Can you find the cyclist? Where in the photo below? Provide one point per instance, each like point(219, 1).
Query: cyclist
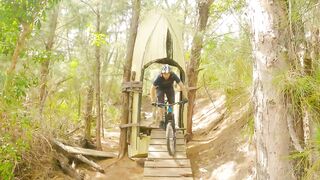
point(163, 85)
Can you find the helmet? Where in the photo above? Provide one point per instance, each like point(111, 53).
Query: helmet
point(166, 69)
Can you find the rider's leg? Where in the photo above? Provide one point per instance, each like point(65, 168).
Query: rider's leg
point(170, 95)
point(160, 111)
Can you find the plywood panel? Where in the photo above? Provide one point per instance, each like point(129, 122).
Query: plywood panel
point(168, 178)
point(160, 163)
point(168, 172)
point(164, 141)
point(163, 148)
point(165, 155)
point(163, 135)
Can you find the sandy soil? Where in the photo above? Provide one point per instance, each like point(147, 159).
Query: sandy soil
point(125, 169)
point(219, 149)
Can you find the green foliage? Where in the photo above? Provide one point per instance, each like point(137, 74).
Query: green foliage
point(40, 56)
point(15, 123)
point(221, 6)
point(227, 67)
point(99, 39)
point(113, 114)
point(303, 158)
point(303, 91)
point(14, 13)
point(18, 85)
point(248, 130)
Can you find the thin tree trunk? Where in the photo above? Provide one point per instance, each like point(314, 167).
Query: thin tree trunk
point(88, 114)
point(270, 112)
point(26, 30)
point(193, 68)
point(98, 98)
point(45, 64)
point(123, 151)
point(102, 120)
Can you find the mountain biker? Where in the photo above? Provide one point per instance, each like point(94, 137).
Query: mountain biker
point(163, 85)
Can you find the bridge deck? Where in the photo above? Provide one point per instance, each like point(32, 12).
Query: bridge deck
point(160, 165)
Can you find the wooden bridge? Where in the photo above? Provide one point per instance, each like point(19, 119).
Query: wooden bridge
point(160, 165)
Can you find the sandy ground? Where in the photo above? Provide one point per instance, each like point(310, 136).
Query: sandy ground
point(125, 169)
point(219, 149)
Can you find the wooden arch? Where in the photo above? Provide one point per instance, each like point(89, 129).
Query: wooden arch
point(159, 40)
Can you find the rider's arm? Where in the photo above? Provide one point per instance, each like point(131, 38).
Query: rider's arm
point(183, 89)
point(153, 93)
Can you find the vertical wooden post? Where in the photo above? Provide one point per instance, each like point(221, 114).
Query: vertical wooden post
point(123, 151)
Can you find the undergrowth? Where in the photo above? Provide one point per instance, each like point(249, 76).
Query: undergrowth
point(303, 93)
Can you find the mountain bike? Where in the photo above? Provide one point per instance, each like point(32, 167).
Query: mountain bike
point(169, 124)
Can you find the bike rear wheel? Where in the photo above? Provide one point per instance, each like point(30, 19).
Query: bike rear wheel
point(171, 139)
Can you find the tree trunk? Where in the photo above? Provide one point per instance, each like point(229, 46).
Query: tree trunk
point(193, 68)
point(45, 64)
point(271, 129)
point(102, 113)
point(123, 151)
point(88, 115)
point(26, 30)
point(98, 103)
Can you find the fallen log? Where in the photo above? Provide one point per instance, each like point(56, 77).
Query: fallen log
point(90, 163)
point(83, 151)
point(63, 163)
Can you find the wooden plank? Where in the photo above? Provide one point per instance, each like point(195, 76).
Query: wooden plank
point(167, 178)
point(90, 163)
point(165, 155)
point(167, 163)
point(163, 135)
point(163, 148)
point(167, 172)
point(157, 131)
point(164, 141)
point(83, 151)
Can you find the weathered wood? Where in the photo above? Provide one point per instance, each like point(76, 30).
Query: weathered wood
point(168, 178)
point(132, 86)
point(90, 163)
point(128, 125)
point(123, 145)
point(83, 151)
point(160, 165)
point(63, 163)
point(163, 135)
point(167, 172)
point(168, 163)
point(165, 155)
point(164, 141)
point(122, 126)
point(163, 148)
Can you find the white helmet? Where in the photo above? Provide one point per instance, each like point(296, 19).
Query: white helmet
point(166, 69)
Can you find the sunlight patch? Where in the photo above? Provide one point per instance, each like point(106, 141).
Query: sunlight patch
point(225, 171)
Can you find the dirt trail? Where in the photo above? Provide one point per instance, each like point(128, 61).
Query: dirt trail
point(219, 149)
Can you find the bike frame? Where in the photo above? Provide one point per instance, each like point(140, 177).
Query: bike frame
point(168, 111)
point(169, 125)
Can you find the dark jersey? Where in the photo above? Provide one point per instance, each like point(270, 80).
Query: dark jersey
point(161, 83)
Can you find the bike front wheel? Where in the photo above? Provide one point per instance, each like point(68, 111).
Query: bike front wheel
point(171, 139)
